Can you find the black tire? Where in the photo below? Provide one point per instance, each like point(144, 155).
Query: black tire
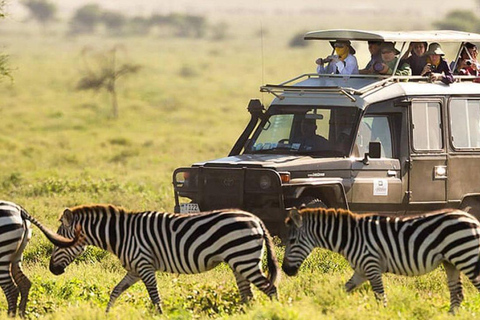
point(471, 206)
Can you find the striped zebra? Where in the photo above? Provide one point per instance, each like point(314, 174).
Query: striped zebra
point(374, 244)
point(15, 232)
point(177, 243)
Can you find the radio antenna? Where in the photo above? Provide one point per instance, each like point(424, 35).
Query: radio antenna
point(263, 63)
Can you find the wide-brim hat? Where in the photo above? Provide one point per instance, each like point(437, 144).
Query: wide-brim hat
point(434, 48)
point(345, 42)
point(389, 46)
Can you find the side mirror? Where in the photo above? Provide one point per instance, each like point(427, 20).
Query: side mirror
point(375, 149)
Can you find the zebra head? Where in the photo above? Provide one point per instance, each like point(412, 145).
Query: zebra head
point(298, 246)
point(62, 257)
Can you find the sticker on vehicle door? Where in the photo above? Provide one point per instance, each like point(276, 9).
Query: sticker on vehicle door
point(380, 187)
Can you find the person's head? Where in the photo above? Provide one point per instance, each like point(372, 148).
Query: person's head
point(342, 47)
point(472, 50)
point(308, 127)
point(434, 53)
point(388, 51)
point(374, 47)
point(418, 48)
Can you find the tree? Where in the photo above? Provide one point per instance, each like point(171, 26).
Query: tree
point(105, 74)
point(460, 20)
point(85, 19)
point(114, 21)
point(43, 11)
point(4, 68)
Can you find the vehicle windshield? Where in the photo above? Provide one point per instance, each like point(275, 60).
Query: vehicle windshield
point(319, 131)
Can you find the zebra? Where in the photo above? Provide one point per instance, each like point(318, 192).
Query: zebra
point(15, 232)
point(374, 244)
point(149, 241)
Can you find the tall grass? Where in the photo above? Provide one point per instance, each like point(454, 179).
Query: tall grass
point(60, 147)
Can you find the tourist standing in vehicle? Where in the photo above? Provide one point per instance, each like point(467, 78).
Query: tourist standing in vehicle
point(415, 57)
point(375, 63)
point(389, 58)
point(437, 67)
point(468, 65)
point(342, 62)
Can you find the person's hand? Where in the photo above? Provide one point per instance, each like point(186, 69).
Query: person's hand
point(320, 61)
point(426, 70)
point(434, 77)
point(333, 58)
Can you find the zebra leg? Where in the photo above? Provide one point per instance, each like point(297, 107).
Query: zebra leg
point(23, 284)
point(244, 287)
point(454, 285)
point(355, 281)
point(148, 277)
point(11, 293)
point(375, 277)
point(253, 274)
point(123, 285)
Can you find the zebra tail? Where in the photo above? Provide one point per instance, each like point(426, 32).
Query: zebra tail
point(54, 238)
point(272, 262)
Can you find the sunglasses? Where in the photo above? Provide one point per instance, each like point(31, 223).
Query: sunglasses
point(339, 45)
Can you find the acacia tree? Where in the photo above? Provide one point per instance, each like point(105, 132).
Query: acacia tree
point(43, 11)
point(104, 73)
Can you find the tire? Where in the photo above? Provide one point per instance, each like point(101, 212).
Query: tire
point(471, 206)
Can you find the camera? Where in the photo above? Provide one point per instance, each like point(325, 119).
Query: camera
point(433, 68)
point(377, 66)
point(468, 62)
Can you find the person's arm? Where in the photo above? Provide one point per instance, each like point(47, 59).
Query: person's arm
point(348, 66)
point(404, 70)
point(447, 77)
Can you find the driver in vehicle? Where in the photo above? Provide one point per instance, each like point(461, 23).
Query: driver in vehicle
point(310, 141)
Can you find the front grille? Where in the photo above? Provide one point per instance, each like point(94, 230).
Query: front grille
point(222, 188)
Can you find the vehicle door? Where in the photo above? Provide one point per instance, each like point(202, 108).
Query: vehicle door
point(428, 158)
point(376, 183)
point(464, 158)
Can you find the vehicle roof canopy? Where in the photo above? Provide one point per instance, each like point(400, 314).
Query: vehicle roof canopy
point(394, 36)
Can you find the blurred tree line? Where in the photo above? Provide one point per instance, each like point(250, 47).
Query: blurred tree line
point(92, 18)
point(4, 69)
point(461, 19)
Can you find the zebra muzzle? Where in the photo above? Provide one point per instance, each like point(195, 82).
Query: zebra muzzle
point(56, 270)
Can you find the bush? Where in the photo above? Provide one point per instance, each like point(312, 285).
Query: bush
point(297, 41)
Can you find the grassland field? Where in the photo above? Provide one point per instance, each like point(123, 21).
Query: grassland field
point(60, 147)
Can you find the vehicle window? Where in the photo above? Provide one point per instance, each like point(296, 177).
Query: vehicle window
point(374, 128)
point(427, 126)
point(464, 123)
point(310, 131)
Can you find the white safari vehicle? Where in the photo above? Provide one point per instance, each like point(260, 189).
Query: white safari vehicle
point(392, 144)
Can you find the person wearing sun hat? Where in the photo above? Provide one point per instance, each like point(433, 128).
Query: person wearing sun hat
point(415, 57)
point(437, 67)
point(389, 59)
point(342, 62)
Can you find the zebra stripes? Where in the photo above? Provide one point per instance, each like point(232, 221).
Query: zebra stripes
point(15, 232)
point(178, 243)
point(375, 244)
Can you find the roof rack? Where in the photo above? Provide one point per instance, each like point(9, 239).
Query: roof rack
point(349, 92)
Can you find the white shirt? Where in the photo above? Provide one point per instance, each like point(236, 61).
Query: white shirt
point(348, 66)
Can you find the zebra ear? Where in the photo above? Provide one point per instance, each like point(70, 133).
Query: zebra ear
point(67, 218)
point(296, 217)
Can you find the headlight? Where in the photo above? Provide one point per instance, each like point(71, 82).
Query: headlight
point(265, 182)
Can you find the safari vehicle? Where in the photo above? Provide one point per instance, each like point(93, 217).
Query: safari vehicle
point(393, 144)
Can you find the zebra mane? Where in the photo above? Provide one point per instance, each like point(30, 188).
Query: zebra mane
point(90, 208)
point(330, 212)
point(347, 213)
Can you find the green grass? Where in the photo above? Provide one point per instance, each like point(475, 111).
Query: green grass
point(60, 148)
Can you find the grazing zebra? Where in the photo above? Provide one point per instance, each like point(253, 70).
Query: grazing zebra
point(374, 244)
point(15, 232)
point(178, 243)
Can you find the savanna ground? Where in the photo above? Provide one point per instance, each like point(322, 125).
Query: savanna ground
point(60, 147)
